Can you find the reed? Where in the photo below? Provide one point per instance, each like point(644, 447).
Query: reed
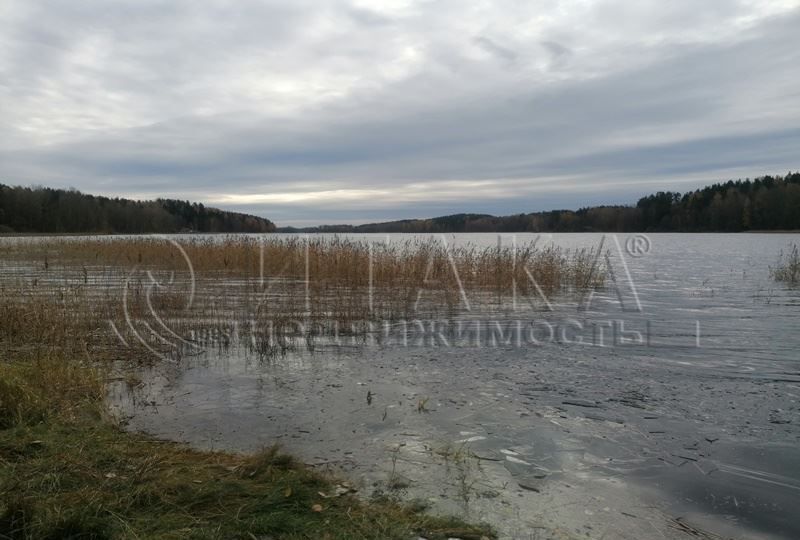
point(327, 261)
point(787, 269)
point(278, 293)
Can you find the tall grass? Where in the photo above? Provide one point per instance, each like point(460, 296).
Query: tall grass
point(276, 291)
point(336, 261)
point(787, 269)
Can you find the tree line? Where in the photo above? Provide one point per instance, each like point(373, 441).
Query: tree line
point(46, 210)
point(765, 203)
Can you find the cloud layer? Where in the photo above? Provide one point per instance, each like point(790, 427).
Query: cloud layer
point(348, 111)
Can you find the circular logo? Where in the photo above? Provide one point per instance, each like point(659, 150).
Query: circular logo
point(637, 245)
point(145, 322)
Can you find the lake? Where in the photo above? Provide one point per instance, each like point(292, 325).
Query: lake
point(661, 406)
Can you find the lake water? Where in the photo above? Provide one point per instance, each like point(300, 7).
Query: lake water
point(665, 405)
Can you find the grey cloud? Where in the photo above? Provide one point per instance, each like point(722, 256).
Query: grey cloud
point(408, 109)
point(367, 16)
point(559, 54)
point(493, 48)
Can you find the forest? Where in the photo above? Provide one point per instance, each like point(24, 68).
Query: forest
point(767, 203)
point(46, 210)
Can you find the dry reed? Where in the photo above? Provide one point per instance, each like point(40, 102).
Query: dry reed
point(271, 292)
point(787, 269)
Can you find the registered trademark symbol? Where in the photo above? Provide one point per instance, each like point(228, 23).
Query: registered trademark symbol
point(637, 245)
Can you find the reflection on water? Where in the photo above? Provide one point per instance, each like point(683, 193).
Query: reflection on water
point(665, 404)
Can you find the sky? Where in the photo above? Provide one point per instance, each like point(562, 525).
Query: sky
point(353, 111)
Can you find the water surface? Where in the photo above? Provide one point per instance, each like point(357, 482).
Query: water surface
point(664, 404)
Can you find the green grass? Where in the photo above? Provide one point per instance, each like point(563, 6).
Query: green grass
point(66, 471)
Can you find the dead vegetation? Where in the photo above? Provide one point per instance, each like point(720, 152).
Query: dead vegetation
point(275, 294)
point(325, 263)
point(787, 269)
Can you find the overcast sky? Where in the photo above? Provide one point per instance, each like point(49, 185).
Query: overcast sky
point(336, 111)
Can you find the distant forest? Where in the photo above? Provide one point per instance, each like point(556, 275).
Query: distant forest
point(45, 210)
point(766, 203)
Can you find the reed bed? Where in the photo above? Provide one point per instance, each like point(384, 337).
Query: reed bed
point(335, 262)
point(271, 294)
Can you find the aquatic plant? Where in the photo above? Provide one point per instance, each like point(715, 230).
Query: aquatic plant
point(276, 294)
point(787, 269)
point(334, 261)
